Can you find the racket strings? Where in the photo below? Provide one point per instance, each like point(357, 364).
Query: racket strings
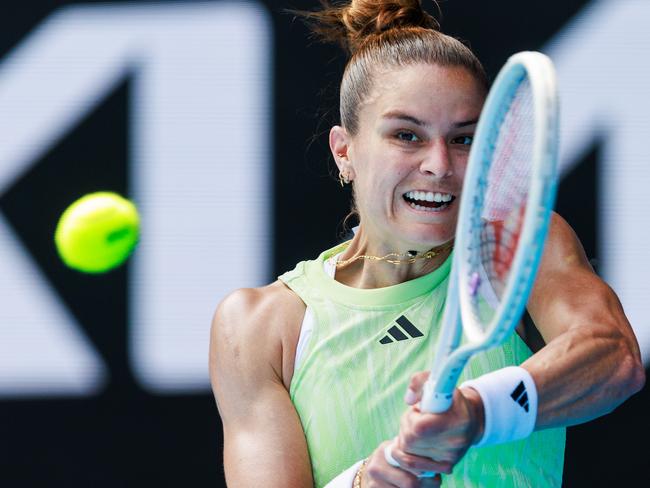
point(502, 209)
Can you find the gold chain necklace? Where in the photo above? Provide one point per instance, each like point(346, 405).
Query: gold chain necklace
point(409, 257)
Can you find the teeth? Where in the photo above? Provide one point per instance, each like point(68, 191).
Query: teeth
point(427, 209)
point(429, 196)
point(442, 197)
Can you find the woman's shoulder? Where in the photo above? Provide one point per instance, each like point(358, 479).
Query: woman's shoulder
point(260, 325)
point(252, 304)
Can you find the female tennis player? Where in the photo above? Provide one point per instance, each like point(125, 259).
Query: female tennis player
point(313, 374)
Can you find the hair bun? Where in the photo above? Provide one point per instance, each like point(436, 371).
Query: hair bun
point(367, 17)
point(351, 24)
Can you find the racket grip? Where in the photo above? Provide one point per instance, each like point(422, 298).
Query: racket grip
point(434, 401)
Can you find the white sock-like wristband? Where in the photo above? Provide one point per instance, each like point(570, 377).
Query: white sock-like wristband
point(346, 478)
point(510, 404)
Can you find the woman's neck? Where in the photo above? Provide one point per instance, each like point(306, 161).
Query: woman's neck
point(361, 264)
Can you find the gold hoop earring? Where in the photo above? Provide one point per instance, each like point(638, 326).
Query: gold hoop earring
point(344, 179)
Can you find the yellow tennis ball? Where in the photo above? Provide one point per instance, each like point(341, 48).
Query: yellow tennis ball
point(98, 232)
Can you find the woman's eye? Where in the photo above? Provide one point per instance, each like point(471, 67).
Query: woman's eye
point(464, 140)
point(407, 136)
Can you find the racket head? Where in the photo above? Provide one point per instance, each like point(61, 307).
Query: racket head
point(508, 194)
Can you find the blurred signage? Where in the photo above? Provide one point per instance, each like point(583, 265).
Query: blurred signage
point(200, 164)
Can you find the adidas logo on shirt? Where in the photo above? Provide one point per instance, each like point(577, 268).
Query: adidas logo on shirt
point(404, 330)
point(520, 396)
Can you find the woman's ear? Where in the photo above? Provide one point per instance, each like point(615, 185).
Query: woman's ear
point(340, 146)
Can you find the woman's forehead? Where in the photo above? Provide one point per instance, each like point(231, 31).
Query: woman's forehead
point(425, 91)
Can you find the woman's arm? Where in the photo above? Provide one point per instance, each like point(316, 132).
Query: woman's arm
point(591, 361)
point(264, 444)
point(252, 350)
point(589, 365)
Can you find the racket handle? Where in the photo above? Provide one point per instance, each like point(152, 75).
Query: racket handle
point(434, 401)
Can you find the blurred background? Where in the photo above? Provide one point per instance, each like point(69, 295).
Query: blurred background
point(213, 117)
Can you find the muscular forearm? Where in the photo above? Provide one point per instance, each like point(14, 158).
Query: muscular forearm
point(583, 374)
point(591, 360)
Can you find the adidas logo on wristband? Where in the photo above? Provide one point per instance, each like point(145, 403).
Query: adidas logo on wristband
point(510, 414)
point(520, 396)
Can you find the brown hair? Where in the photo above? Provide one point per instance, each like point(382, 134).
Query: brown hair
point(388, 33)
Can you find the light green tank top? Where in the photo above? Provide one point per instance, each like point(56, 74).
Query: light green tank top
point(349, 387)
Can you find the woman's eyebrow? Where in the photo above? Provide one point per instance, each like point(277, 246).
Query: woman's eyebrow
point(458, 125)
point(410, 118)
point(404, 116)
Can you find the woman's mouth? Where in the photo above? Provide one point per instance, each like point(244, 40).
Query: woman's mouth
point(428, 201)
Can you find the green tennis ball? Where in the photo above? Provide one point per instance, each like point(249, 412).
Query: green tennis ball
point(97, 233)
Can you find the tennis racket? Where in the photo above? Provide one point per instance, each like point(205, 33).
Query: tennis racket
point(505, 208)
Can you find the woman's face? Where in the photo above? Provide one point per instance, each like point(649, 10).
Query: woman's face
point(409, 156)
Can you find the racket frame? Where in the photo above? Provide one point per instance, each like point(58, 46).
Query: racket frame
point(450, 359)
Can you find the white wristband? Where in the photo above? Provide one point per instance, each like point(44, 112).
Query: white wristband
point(510, 404)
point(346, 478)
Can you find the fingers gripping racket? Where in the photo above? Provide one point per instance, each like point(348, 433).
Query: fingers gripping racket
point(505, 208)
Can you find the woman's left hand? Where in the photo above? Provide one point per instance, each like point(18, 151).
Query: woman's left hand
point(443, 437)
